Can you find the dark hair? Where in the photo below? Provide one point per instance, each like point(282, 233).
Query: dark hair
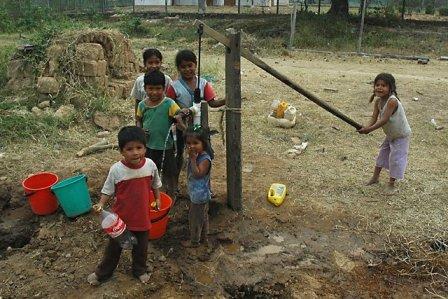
point(131, 133)
point(200, 134)
point(389, 80)
point(148, 53)
point(154, 78)
point(185, 55)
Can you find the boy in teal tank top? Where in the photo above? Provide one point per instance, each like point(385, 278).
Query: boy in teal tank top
point(156, 114)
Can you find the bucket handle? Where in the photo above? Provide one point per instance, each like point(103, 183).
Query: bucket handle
point(160, 217)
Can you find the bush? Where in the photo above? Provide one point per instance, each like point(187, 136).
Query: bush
point(133, 26)
point(6, 24)
point(443, 11)
point(429, 9)
point(5, 55)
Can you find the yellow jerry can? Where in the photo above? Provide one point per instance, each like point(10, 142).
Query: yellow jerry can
point(276, 194)
point(280, 112)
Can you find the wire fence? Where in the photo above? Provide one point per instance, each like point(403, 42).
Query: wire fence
point(16, 8)
point(68, 6)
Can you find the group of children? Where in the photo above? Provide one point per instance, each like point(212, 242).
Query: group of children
point(149, 146)
point(157, 142)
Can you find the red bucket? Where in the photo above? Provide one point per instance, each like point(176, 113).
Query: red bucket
point(37, 190)
point(159, 219)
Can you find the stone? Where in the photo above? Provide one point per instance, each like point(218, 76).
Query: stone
point(52, 67)
point(343, 262)
point(128, 88)
point(64, 111)
point(105, 121)
point(54, 51)
point(47, 85)
point(116, 90)
point(44, 104)
point(248, 168)
point(19, 83)
point(36, 111)
point(89, 51)
point(102, 134)
point(296, 140)
point(100, 82)
point(15, 68)
point(91, 68)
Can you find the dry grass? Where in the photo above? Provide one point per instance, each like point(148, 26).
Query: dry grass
point(330, 174)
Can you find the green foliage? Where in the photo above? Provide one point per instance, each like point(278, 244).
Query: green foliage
point(323, 32)
point(390, 11)
point(429, 9)
point(443, 11)
point(41, 41)
point(26, 16)
point(133, 26)
point(6, 24)
point(5, 55)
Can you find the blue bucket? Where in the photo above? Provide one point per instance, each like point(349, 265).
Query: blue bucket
point(73, 195)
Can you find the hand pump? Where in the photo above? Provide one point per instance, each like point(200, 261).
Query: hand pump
point(196, 109)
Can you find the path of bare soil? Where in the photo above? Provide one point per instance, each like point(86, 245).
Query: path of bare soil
point(330, 237)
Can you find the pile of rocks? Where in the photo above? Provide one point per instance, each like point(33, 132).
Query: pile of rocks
point(100, 58)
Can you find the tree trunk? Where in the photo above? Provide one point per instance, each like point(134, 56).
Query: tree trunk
point(339, 8)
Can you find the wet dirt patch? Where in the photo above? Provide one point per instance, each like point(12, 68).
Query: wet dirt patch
point(17, 223)
point(278, 290)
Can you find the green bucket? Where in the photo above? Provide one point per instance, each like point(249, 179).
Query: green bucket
point(73, 195)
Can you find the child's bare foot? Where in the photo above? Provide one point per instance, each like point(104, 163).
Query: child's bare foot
point(372, 181)
point(92, 279)
point(144, 278)
point(391, 189)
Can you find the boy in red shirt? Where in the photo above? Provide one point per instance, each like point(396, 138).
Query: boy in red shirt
point(129, 181)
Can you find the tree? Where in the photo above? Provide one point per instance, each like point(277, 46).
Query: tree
point(339, 8)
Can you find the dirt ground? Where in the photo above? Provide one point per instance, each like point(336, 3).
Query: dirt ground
point(332, 237)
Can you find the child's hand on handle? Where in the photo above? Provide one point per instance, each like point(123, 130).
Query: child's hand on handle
point(157, 199)
point(364, 130)
point(97, 207)
point(158, 204)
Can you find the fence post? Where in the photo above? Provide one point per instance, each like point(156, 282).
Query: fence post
point(361, 27)
point(293, 25)
point(403, 7)
point(233, 121)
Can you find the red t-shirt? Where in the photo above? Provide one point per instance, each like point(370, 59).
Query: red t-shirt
point(131, 185)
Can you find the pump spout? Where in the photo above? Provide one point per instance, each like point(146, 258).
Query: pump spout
point(196, 111)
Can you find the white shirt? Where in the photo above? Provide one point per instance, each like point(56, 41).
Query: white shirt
point(138, 91)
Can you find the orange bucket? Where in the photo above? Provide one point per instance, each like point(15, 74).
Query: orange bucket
point(159, 219)
point(37, 190)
